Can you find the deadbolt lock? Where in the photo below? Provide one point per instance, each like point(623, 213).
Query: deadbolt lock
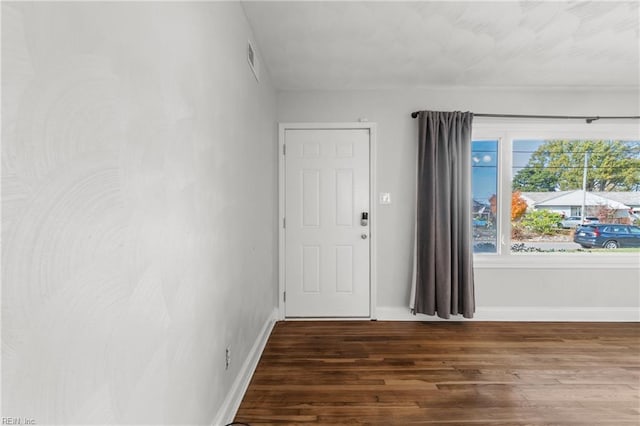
point(364, 219)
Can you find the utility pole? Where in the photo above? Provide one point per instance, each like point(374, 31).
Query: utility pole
point(584, 188)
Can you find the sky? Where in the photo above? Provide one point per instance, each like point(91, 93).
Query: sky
point(484, 156)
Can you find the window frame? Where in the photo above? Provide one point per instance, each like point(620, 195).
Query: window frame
point(505, 131)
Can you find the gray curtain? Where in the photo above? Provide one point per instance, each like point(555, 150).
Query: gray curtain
point(444, 240)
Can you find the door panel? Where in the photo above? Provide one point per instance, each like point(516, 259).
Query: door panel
point(327, 248)
point(310, 198)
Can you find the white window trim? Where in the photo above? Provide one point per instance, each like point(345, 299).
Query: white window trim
point(505, 131)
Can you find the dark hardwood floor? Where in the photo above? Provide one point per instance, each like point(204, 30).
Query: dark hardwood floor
point(456, 373)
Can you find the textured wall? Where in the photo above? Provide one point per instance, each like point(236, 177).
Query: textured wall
point(139, 197)
point(396, 141)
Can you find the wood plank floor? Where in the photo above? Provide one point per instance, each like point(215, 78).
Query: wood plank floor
point(456, 373)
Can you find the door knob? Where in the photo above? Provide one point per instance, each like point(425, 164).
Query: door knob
point(363, 236)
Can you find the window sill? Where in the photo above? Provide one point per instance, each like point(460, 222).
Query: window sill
point(558, 261)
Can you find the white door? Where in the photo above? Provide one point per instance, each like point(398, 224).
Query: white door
point(326, 242)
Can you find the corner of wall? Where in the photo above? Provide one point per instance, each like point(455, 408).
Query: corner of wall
point(232, 402)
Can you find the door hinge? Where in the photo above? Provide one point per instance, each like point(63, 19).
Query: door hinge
point(284, 296)
point(284, 222)
point(284, 149)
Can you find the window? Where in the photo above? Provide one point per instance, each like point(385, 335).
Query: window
point(616, 229)
point(484, 163)
point(557, 178)
point(531, 183)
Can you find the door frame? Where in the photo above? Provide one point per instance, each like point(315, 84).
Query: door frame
point(282, 127)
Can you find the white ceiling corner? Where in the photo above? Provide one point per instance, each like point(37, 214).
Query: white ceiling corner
point(340, 45)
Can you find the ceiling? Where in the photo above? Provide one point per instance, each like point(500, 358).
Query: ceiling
point(372, 45)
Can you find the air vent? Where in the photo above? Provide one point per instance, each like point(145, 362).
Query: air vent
point(252, 58)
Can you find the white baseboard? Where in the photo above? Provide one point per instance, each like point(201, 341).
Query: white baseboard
point(594, 314)
point(229, 408)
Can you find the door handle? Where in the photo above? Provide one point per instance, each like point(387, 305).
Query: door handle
point(363, 236)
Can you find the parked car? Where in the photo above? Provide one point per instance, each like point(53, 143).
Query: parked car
point(608, 235)
point(477, 223)
point(575, 221)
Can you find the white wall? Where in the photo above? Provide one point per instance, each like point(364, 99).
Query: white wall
point(501, 288)
point(139, 197)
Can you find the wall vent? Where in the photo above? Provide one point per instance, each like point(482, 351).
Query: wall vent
point(252, 58)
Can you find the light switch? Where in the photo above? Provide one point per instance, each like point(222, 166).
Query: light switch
point(385, 198)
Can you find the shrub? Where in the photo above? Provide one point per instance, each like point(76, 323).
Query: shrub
point(518, 206)
point(541, 221)
point(517, 231)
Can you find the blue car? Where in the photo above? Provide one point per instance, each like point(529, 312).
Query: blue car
point(608, 235)
point(477, 223)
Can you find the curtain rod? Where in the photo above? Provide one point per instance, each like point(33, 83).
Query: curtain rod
point(588, 118)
